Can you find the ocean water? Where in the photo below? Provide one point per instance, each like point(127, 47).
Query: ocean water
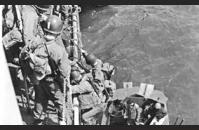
point(153, 44)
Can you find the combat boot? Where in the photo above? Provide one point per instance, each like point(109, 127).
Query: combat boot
point(62, 122)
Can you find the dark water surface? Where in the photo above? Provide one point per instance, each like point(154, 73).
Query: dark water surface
point(153, 44)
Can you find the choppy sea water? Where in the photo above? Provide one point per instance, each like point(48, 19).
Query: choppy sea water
point(153, 44)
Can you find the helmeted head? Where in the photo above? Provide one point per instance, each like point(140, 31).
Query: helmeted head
point(158, 106)
point(91, 59)
point(134, 105)
point(75, 76)
point(52, 27)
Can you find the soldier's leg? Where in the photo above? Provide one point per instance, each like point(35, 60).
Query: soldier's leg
point(69, 114)
point(41, 102)
point(106, 116)
point(58, 101)
point(56, 95)
point(91, 117)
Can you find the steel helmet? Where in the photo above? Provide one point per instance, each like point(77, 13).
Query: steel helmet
point(157, 105)
point(135, 105)
point(53, 25)
point(43, 7)
point(91, 59)
point(75, 75)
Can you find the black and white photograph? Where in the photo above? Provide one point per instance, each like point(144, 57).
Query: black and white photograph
point(117, 65)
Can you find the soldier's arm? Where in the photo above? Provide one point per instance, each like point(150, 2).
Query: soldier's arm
point(81, 88)
point(64, 65)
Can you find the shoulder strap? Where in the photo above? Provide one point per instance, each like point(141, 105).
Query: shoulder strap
point(46, 49)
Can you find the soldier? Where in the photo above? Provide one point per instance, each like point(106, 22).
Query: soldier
point(153, 110)
point(90, 102)
point(31, 16)
point(63, 12)
point(101, 72)
point(158, 111)
point(51, 84)
point(133, 114)
point(97, 65)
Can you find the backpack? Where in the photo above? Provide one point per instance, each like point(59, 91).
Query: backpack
point(37, 60)
point(40, 66)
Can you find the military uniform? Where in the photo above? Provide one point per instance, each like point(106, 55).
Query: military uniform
point(158, 113)
point(90, 104)
point(50, 87)
point(63, 39)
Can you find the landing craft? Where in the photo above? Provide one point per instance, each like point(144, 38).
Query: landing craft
point(142, 95)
